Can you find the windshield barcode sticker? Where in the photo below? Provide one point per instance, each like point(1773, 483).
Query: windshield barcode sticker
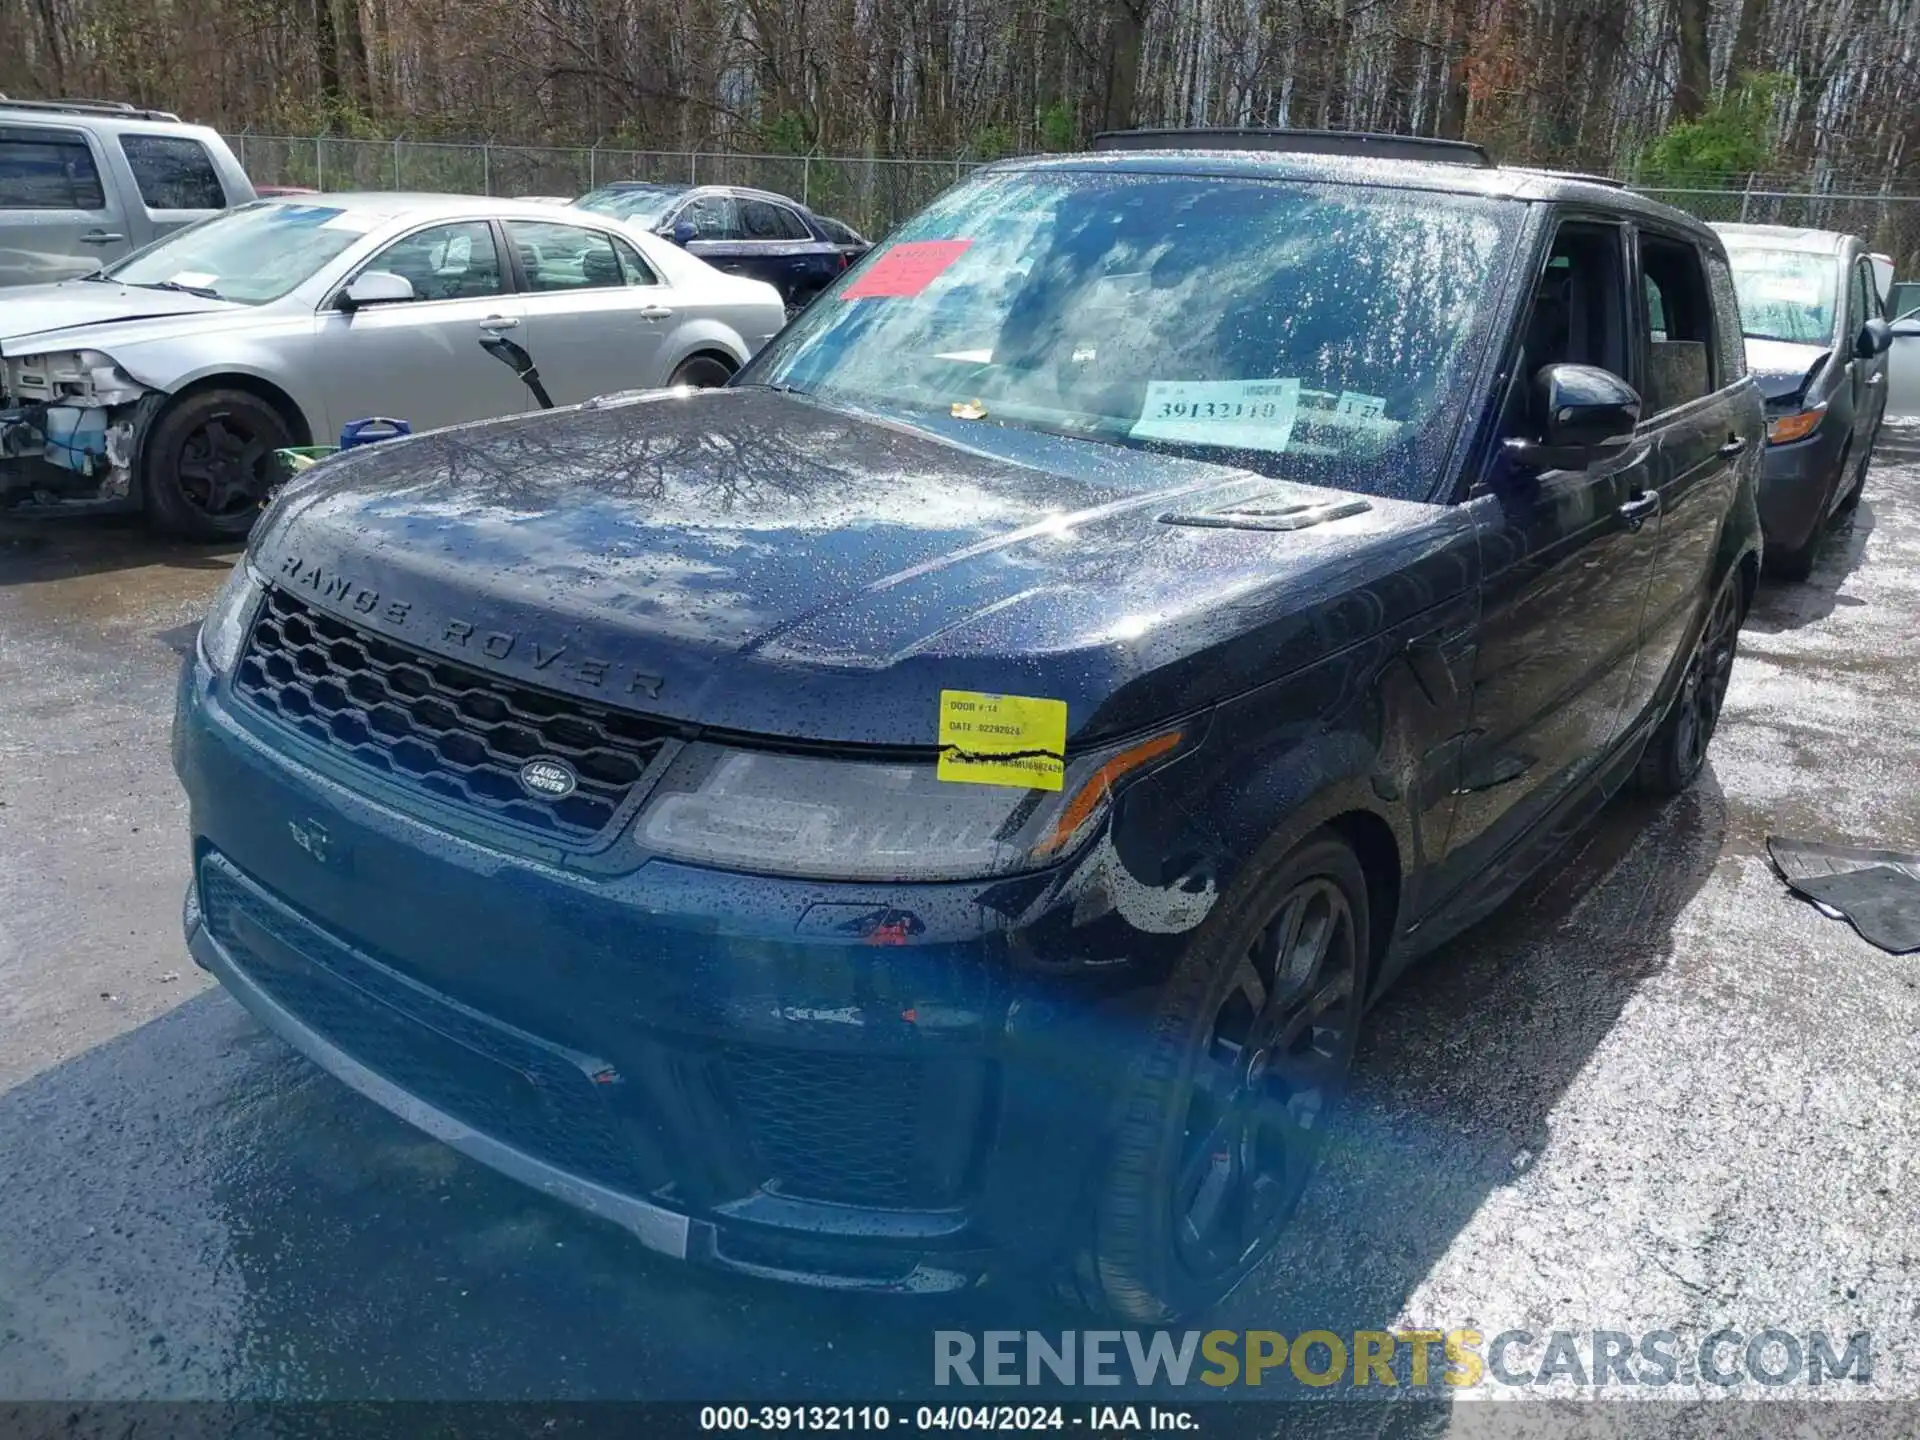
point(1238, 414)
point(1002, 739)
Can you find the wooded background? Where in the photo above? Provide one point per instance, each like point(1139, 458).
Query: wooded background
point(1811, 94)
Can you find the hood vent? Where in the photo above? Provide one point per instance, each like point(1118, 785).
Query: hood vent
point(1256, 515)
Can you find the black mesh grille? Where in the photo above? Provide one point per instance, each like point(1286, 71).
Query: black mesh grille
point(844, 1128)
point(500, 1082)
point(450, 730)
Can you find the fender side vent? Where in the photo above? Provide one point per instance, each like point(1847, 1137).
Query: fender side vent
point(1267, 517)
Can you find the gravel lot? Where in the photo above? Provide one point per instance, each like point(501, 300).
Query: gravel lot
point(1659, 1093)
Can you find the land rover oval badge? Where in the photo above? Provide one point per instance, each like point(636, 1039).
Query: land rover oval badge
point(548, 778)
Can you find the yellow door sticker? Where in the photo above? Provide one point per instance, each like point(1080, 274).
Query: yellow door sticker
point(1002, 739)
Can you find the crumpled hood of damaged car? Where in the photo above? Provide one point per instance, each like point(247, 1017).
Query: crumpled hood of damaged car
point(95, 314)
point(756, 562)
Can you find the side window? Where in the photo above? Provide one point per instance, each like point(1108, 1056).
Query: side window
point(1578, 313)
point(565, 257)
point(47, 170)
point(446, 262)
point(173, 172)
point(713, 217)
point(762, 220)
point(635, 268)
point(1682, 341)
point(1726, 316)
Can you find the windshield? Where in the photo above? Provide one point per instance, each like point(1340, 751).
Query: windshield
point(251, 255)
point(1320, 332)
point(1784, 295)
point(646, 203)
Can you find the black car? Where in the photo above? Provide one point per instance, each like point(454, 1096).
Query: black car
point(748, 232)
point(1817, 345)
point(946, 801)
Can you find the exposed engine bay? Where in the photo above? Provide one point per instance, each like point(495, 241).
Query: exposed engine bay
point(70, 424)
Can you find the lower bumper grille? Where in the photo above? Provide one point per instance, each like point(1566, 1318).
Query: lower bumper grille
point(884, 1131)
point(535, 1097)
point(854, 1129)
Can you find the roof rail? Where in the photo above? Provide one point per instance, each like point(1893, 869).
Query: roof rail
point(1306, 142)
point(88, 107)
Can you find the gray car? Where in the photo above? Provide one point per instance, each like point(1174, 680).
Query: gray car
point(85, 182)
point(1817, 344)
point(167, 381)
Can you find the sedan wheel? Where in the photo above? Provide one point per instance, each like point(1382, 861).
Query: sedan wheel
point(209, 463)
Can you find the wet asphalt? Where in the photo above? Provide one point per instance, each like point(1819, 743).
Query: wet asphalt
point(1656, 1093)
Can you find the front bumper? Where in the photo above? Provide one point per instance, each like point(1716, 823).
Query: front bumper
point(1795, 485)
point(705, 1059)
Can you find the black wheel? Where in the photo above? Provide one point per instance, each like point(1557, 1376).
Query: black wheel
point(703, 372)
point(210, 464)
point(1679, 747)
point(1250, 1052)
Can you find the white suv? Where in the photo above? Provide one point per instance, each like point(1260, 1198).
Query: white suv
point(83, 182)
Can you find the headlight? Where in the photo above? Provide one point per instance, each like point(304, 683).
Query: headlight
point(225, 627)
point(1785, 429)
point(861, 820)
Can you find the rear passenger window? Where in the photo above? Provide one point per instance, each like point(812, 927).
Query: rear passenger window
point(565, 257)
point(1681, 335)
point(47, 170)
point(173, 173)
point(760, 220)
point(636, 270)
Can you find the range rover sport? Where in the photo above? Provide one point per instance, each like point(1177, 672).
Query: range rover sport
point(945, 801)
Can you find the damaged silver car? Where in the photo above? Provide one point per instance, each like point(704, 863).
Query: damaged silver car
point(168, 381)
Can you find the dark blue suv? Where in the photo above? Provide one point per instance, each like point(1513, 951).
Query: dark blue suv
point(946, 800)
point(754, 233)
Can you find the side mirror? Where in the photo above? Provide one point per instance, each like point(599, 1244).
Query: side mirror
point(375, 287)
point(683, 232)
point(1875, 338)
point(1582, 415)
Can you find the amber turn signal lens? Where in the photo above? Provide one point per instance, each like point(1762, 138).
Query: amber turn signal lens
point(1796, 426)
point(1092, 795)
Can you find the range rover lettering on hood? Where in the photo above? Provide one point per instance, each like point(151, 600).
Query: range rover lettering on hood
point(452, 635)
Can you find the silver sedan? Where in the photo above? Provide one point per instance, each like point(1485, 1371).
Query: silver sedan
point(168, 380)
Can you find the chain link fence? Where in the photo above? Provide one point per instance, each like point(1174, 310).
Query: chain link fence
point(873, 195)
point(1890, 224)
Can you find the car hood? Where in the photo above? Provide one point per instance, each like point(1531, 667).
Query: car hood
point(755, 562)
point(82, 314)
point(1783, 368)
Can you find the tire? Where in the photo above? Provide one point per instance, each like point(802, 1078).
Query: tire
point(1178, 1220)
point(1678, 749)
point(702, 372)
point(210, 463)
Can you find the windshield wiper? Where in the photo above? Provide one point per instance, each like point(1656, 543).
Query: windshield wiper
point(201, 290)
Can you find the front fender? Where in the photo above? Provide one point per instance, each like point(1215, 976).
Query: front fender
point(182, 362)
point(691, 337)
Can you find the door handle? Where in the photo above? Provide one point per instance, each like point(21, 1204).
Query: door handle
point(1636, 510)
point(101, 237)
point(1875, 379)
point(656, 312)
point(1735, 444)
point(494, 324)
